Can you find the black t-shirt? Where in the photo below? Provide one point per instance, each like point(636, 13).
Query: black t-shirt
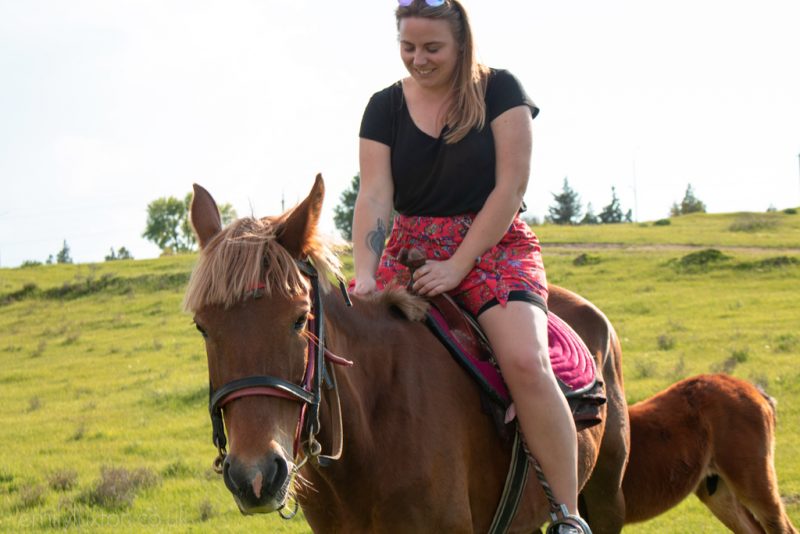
point(432, 177)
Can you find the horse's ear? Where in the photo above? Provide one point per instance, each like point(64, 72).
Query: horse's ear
point(301, 224)
point(204, 215)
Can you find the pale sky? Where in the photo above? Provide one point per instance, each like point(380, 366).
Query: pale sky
point(106, 105)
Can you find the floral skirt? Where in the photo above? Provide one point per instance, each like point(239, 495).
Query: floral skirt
point(514, 266)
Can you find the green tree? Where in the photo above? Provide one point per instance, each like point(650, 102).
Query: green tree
point(120, 254)
point(343, 212)
point(63, 254)
point(612, 213)
point(689, 204)
point(589, 217)
point(168, 223)
point(166, 219)
point(567, 207)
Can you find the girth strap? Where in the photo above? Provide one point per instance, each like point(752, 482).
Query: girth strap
point(513, 489)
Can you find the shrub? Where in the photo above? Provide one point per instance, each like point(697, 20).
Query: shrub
point(768, 264)
point(740, 355)
point(585, 259)
point(790, 211)
point(787, 343)
point(662, 222)
point(206, 510)
point(752, 223)
point(117, 487)
point(177, 469)
point(666, 342)
point(34, 404)
point(63, 480)
point(31, 496)
point(699, 261)
point(644, 369)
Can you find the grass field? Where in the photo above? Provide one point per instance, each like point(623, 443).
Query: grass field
point(103, 379)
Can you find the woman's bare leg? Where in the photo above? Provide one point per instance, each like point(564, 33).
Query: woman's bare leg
point(518, 336)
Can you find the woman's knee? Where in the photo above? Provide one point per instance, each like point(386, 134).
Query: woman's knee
point(528, 365)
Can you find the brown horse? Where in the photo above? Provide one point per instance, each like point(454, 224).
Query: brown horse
point(713, 435)
point(419, 455)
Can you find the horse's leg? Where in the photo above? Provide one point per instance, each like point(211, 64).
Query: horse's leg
point(750, 473)
point(719, 498)
point(754, 486)
point(602, 495)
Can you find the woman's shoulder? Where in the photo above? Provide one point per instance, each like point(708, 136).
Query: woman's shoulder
point(501, 78)
point(390, 93)
point(503, 91)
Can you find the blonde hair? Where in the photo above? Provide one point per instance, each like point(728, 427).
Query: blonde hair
point(467, 108)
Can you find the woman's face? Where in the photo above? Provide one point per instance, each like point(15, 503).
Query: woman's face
point(429, 51)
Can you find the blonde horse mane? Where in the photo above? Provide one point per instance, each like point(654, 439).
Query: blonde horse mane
point(248, 253)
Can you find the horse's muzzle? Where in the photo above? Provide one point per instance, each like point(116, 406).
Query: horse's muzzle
point(258, 488)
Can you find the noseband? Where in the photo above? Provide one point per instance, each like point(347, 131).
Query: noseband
point(309, 392)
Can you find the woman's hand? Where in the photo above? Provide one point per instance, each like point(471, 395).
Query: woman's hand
point(437, 277)
point(365, 286)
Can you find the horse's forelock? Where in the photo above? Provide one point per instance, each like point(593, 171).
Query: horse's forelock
point(246, 254)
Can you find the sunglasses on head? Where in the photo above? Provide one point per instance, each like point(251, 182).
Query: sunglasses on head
point(431, 3)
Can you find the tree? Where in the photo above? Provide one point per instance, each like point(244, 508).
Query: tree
point(168, 223)
point(166, 218)
point(567, 207)
point(121, 254)
point(63, 254)
point(689, 204)
point(343, 212)
point(612, 213)
point(590, 217)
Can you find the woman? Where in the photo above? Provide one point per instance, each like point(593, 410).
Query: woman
point(449, 148)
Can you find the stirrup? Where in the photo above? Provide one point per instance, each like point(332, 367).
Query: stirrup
point(561, 516)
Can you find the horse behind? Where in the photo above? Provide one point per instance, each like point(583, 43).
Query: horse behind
point(713, 435)
point(419, 455)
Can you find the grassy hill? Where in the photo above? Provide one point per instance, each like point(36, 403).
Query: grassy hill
point(103, 379)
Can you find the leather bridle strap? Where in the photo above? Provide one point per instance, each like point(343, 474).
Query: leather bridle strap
point(309, 393)
point(252, 385)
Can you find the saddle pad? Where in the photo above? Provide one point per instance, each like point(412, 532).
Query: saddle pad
point(572, 363)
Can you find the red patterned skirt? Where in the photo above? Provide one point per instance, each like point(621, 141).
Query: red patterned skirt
point(512, 267)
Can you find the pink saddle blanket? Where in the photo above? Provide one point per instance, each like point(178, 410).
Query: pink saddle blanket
point(571, 360)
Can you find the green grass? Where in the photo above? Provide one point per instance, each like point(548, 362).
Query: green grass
point(775, 230)
point(103, 378)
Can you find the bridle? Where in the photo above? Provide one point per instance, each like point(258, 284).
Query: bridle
point(308, 392)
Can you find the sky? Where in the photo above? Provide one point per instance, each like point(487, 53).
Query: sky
point(106, 105)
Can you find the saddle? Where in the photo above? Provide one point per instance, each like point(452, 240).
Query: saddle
point(570, 358)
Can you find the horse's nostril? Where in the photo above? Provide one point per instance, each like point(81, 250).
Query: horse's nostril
point(228, 477)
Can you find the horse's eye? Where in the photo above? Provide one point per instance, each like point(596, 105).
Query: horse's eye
point(201, 330)
point(301, 322)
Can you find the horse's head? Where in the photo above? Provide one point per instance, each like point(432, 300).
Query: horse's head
point(252, 302)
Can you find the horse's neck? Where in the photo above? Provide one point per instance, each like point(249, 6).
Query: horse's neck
point(362, 388)
point(355, 336)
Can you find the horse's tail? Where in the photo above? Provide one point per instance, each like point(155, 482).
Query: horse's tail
point(773, 404)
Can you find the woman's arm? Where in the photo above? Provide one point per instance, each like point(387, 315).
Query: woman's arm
point(513, 144)
point(372, 211)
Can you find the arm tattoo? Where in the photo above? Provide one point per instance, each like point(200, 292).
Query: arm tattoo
point(376, 239)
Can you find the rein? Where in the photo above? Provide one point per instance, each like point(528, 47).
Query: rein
point(309, 392)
